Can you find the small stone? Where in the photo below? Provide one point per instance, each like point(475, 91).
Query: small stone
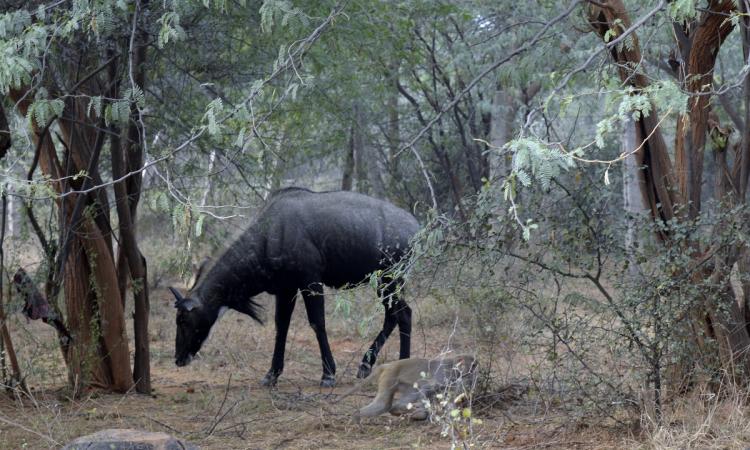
point(128, 439)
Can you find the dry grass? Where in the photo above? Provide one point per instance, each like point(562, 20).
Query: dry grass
point(703, 421)
point(217, 402)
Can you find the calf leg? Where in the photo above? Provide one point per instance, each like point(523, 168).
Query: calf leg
point(284, 308)
point(316, 315)
point(406, 395)
point(389, 323)
point(414, 396)
point(382, 401)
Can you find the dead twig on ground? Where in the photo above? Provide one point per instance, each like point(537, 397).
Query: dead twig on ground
point(218, 417)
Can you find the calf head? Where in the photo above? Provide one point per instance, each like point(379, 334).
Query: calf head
point(465, 370)
point(194, 322)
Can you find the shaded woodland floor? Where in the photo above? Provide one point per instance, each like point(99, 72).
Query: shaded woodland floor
point(217, 402)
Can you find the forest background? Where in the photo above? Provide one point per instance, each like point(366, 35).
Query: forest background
point(580, 169)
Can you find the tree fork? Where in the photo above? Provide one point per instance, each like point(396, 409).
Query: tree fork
point(679, 196)
point(112, 367)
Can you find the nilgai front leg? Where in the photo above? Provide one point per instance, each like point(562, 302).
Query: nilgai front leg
point(284, 308)
point(316, 315)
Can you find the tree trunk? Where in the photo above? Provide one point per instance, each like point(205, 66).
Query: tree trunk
point(633, 203)
point(7, 344)
point(455, 184)
point(743, 267)
point(116, 354)
point(394, 126)
point(274, 168)
point(136, 265)
point(501, 132)
point(99, 353)
point(360, 160)
point(209, 185)
point(727, 321)
point(11, 216)
point(347, 173)
point(5, 140)
point(368, 171)
point(676, 192)
point(129, 158)
point(691, 129)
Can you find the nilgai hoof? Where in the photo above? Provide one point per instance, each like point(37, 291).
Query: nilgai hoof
point(364, 370)
point(328, 381)
point(270, 379)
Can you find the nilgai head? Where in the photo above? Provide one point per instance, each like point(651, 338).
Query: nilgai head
point(194, 322)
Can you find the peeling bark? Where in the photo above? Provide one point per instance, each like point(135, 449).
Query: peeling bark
point(98, 354)
point(713, 27)
point(675, 192)
point(658, 177)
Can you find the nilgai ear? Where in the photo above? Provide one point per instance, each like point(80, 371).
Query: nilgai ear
point(184, 303)
point(199, 271)
point(189, 304)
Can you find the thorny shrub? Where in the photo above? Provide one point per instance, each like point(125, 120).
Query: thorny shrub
point(592, 314)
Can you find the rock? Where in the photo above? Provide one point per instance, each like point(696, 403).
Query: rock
point(126, 439)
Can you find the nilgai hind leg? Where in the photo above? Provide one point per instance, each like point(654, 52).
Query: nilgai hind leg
point(397, 312)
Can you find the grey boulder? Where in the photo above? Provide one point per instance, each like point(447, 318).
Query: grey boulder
point(126, 439)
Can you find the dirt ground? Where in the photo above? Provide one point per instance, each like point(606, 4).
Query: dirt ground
point(217, 402)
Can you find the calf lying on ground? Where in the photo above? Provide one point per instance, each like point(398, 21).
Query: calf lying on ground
point(415, 380)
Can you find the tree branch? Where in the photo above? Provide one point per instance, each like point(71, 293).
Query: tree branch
point(523, 48)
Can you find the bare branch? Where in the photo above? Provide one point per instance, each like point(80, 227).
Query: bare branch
point(523, 48)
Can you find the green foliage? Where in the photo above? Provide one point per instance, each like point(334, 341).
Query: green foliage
point(95, 106)
point(13, 23)
point(199, 225)
point(117, 112)
point(20, 45)
point(135, 95)
point(170, 29)
point(103, 19)
point(213, 111)
point(537, 158)
point(668, 95)
point(683, 10)
point(280, 13)
point(238, 118)
point(43, 110)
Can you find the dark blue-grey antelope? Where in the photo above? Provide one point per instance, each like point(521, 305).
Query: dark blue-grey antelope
point(300, 241)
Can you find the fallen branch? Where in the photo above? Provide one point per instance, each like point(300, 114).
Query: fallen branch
point(29, 430)
point(219, 417)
